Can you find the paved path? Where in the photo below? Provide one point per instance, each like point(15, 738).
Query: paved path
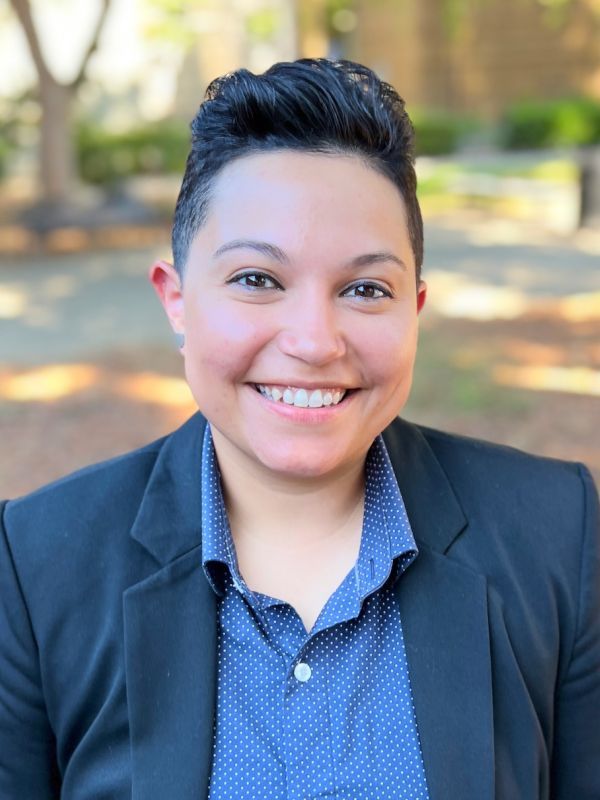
point(64, 308)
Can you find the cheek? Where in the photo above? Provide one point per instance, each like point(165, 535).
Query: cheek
point(221, 341)
point(387, 353)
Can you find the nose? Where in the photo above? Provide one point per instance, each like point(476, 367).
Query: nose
point(310, 331)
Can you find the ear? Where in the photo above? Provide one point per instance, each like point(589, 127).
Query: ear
point(421, 296)
point(167, 285)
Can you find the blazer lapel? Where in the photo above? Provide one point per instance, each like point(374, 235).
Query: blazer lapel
point(446, 632)
point(444, 620)
point(171, 632)
point(170, 653)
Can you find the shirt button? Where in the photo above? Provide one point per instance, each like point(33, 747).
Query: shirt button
point(302, 672)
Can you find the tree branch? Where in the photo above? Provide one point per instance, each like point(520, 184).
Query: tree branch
point(22, 9)
point(93, 46)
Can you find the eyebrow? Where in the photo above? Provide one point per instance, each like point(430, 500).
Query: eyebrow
point(276, 253)
point(266, 249)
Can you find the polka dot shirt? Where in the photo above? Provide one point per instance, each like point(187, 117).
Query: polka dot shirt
point(324, 714)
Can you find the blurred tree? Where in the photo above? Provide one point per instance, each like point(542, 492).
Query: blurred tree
point(218, 36)
point(57, 149)
point(246, 25)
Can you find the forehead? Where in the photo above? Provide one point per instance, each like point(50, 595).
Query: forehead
point(298, 200)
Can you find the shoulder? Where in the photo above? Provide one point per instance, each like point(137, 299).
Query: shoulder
point(533, 515)
point(90, 514)
point(68, 550)
point(75, 532)
point(98, 489)
point(116, 484)
point(530, 527)
point(469, 451)
point(485, 472)
point(506, 481)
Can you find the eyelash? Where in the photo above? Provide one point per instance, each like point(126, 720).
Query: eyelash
point(237, 279)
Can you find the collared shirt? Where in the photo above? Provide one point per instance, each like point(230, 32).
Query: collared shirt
point(324, 714)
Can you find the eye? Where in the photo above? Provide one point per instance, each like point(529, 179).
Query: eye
point(367, 291)
point(255, 280)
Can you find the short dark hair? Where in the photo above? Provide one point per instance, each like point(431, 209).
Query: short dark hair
point(311, 105)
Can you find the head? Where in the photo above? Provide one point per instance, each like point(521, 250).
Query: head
point(309, 106)
point(297, 243)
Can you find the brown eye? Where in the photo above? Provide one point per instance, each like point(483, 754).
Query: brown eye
point(255, 280)
point(367, 291)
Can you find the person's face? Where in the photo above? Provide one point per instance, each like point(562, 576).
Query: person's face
point(302, 277)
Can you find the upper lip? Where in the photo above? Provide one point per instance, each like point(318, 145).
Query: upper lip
point(305, 384)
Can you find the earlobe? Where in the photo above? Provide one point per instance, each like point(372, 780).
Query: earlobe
point(421, 296)
point(167, 285)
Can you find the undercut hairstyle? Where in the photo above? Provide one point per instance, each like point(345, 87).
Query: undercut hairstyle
point(310, 105)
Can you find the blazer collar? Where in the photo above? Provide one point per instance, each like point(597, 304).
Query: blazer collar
point(435, 514)
point(173, 495)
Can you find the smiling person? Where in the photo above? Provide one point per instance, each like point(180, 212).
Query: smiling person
point(298, 594)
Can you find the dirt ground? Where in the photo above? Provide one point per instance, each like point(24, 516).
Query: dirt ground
point(472, 377)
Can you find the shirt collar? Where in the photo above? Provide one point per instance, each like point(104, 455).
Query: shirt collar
point(387, 543)
point(218, 550)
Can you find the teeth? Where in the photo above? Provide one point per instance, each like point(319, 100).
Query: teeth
point(301, 398)
point(316, 399)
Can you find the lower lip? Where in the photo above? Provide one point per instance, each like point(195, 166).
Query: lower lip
point(310, 416)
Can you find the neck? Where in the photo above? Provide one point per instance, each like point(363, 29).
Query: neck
point(286, 513)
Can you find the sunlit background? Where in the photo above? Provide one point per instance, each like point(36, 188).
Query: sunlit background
point(95, 102)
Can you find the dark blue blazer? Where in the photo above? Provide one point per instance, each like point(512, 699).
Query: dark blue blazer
point(108, 625)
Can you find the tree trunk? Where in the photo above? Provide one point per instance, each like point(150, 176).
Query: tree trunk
point(589, 213)
point(57, 147)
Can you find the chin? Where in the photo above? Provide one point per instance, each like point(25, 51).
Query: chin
point(301, 464)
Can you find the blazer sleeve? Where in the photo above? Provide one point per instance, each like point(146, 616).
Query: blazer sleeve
point(576, 756)
point(28, 767)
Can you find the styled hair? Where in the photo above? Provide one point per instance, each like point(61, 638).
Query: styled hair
point(310, 105)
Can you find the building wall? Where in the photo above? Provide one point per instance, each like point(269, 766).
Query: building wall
point(497, 52)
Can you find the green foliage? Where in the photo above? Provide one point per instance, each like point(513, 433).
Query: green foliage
point(9, 129)
point(556, 123)
point(438, 133)
point(263, 25)
point(4, 153)
point(105, 157)
point(339, 17)
point(453, 13)
point(173, 21)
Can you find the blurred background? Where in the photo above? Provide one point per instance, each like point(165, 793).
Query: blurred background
point(95, 102)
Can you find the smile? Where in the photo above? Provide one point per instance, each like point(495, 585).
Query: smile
point(302, 398)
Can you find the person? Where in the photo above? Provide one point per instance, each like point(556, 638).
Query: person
point(299, 594)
